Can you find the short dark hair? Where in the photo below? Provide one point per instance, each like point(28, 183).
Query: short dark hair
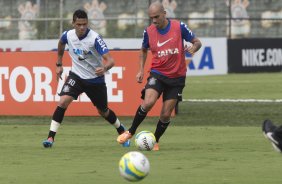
point(81, 14)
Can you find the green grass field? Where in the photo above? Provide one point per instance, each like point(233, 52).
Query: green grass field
point(208, 142)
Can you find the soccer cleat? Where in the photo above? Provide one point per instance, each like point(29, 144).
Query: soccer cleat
point(48, 143)
point(122, 138)
point(268, 127)
point(120, 130)
point(268, 131)
point(156, 147)
point(126, 143)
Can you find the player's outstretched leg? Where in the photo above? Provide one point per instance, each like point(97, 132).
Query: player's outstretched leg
point(138, 118)
point(112, 119)
point(54, 126)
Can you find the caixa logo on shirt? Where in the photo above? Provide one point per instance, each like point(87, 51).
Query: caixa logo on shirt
point(167, 52)
point(82, 54)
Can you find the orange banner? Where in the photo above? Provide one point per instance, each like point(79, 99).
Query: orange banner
point(28, 85)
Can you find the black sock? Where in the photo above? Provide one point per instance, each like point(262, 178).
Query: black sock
point(120, 129)
point(112, 118)
point(58, 116)
point(161, 127)
point(139, 117)
point(52, 134)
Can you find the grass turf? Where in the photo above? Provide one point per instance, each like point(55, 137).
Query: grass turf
point(207, 142)
point(88, 153)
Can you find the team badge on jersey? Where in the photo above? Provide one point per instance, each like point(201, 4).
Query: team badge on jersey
point(152, 81)
point(66, 89)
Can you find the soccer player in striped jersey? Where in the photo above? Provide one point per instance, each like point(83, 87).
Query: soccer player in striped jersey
point(165, 38)
point(87, 50)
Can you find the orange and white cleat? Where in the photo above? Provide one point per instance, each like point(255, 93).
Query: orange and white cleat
point(122, 138)
point(156, 147)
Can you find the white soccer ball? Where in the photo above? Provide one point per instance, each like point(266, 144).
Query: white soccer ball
point(145, 140)
point(134, 166)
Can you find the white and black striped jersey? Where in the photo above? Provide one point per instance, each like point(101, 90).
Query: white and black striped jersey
point(85, 52)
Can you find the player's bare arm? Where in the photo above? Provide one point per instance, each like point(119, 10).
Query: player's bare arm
point(108, 64)
point(59, 64)
point(196, 45)
point(142, 58)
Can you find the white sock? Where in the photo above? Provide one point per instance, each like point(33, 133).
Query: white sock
point(54, 126)
point(117, 123)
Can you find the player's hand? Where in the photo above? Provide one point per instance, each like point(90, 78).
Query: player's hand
point(100, 71)
point(59, 71)
point(139, 77)
point(189, 49)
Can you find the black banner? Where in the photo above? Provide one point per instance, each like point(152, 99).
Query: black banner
point(254, 55)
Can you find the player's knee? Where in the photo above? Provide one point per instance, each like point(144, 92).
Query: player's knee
point(148, 105)
point(65, 101)
point(64, 104)
point(165, 116)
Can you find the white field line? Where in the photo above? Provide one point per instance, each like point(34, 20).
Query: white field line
point(235, 100)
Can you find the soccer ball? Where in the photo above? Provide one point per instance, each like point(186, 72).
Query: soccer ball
point(145, 140)
point(134, 166)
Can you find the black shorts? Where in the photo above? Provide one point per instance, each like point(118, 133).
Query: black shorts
point(97, 93)
point(171, 88)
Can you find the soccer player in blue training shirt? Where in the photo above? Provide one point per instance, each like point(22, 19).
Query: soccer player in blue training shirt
point(165, 38)
point(87, 50)
point(273, 133)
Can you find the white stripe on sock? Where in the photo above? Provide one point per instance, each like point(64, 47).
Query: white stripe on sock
point(54, 126)
point(117, 123)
